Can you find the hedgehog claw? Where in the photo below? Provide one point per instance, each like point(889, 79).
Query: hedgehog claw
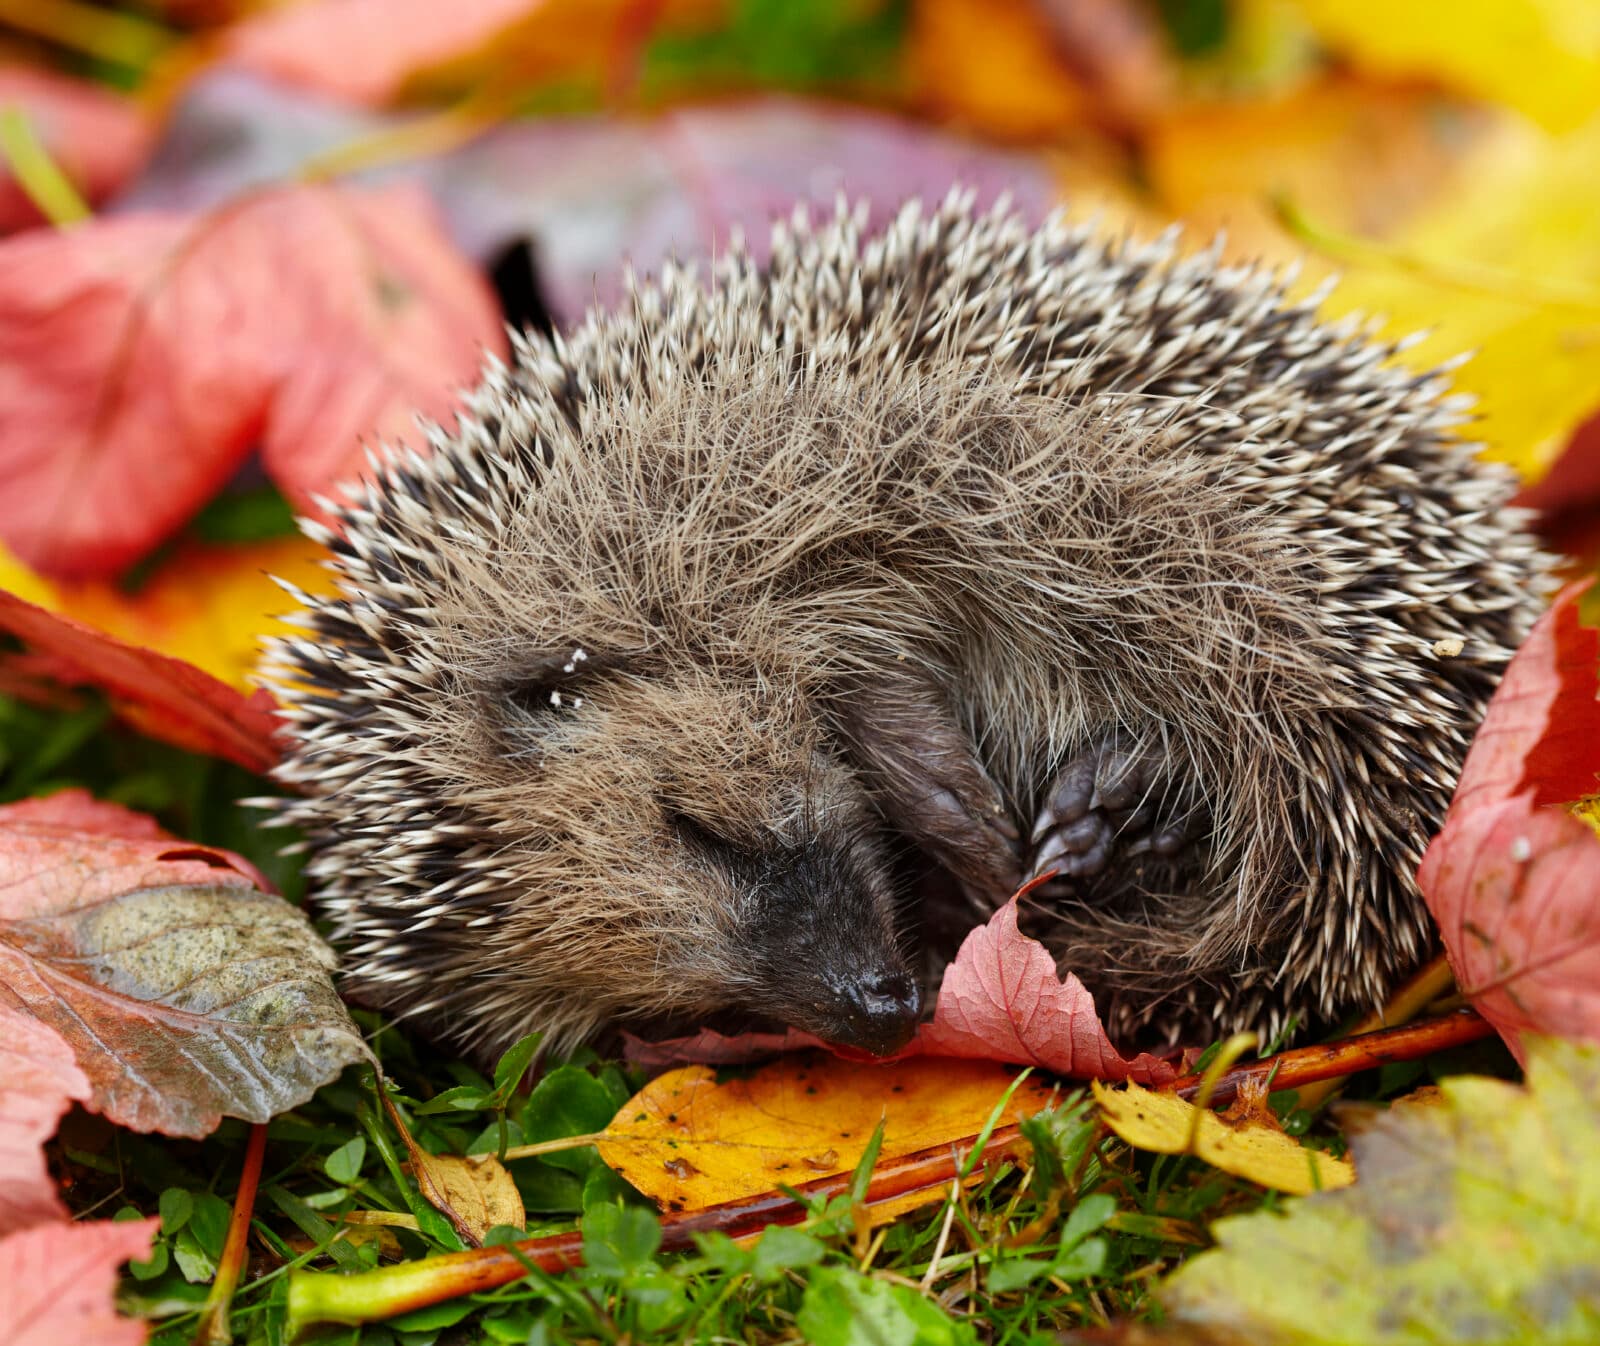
point(1106, 805)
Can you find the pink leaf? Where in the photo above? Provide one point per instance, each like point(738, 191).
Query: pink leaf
point(59, 1279)
point(1002, 1001)
point(143, 357)
point(97, 138)
point(39, 1079)
point(157, 694)
point(365, 50)
point(1513, 878)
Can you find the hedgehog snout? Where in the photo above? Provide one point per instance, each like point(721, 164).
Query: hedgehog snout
point(877, 1011)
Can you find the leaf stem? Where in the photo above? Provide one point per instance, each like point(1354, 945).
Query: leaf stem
point(213, 1329)
point(1367, 1051)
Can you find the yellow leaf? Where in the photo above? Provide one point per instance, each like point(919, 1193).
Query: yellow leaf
point(1473, 226)
point(475, 1190)
point(1257, 1150)
point(1541, 57)
point(1507, 265)
point(688, 1142)
point(208, 604)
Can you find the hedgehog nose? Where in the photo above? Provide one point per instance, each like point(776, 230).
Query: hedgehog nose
point(881, 1012)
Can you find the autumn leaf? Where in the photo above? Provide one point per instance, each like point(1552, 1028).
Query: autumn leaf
point(97, 138)
point(1541, 57)
point(209, 605)
point(143, 357)
point(1001, 1000)
point(1477, 1219)
point(39, 1081)
point(689, 1142)
point(1513, 878)
point(1254, 1147)
point(365, 50)
point(185, 991)
point(59, 1278)
point(163, 697)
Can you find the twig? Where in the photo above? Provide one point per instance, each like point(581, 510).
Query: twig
point(1325, 1061)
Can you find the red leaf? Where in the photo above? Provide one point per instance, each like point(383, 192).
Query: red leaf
point(184, 991)
point(39, 1079)
point(1000, 1000)
point(98, 139)
point(143, 357)
point(1513, 878)
point(364, 50)
point(59, 1280)
point(160, 696)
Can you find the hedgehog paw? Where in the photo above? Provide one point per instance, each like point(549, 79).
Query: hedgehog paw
point(1107, 805)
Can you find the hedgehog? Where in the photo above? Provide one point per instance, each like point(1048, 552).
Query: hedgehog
point(741, 649)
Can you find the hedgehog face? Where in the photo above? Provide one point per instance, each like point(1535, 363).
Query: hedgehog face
point(691, 844)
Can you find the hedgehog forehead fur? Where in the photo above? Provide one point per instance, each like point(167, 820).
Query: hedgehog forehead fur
point(635, 687)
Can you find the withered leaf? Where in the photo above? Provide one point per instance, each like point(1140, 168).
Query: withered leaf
point(185, 990)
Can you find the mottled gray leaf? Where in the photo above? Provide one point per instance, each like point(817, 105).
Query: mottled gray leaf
point(186, 992)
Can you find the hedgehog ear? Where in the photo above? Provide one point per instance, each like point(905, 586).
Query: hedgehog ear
point(552, 680)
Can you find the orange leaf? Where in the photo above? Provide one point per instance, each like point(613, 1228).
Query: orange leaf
point(160, 696)
point(184, 990)
point(59, 1279)
point(210, 605)
point(1513, 878)
point(143, 357)
point(39, 1079)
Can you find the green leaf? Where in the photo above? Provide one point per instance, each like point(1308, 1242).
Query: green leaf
point(462, 1098)
point(1087, 1216)
point(176, 1206)
point(1087, 1259)
point(619, 1239)
point(513, 1065)
point(845, 1308)
point(1016, 1272)
point(344, 1164)
point(568, 1101)
point(160, 1256)
point(1478, 1218)
point(782, 1248)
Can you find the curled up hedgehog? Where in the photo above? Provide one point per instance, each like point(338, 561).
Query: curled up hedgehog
point(743, 648)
